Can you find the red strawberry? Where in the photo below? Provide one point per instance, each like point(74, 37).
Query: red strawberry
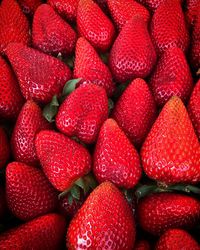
point(4, 148)
point(45, 232)
point(29, 6)
point(30, 121)
point(161, 211)
point(152, 5)
point(51, 33)
point(142, 245)
point(171, 76)
point(105, 221)
point(13, 23)
point(192, 7)
point(3, 204)
point(168, 27)
point(132, 54)
point(135, 117)
point(115, 158)
point(94, 25)
point(175, 239)
point(123, 10)
point(89, 67)
point(194, 108)
point(63, 160)
point(171, 151)
point(40, 76)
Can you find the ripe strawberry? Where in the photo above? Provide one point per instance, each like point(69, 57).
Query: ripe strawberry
point(45, 232)
point(162, 211)
point(142, 245)
point(171, 151)
point(4, 148)
point(14, 25)
point(191, 7)
point(3, 204)
point(94, 25)
point(135, 117)
point(171, 76)
point(51, 34)
point(168, 27)
point(63, 160)
point(123, 10)
point(30, 121)
point(104, 221)
point(175, 239)
point(115, 158)
point(132, 54)
point(152, 5)
point(89, 67)
point(29, 6)
point(40, 76)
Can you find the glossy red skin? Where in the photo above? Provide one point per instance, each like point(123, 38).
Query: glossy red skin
point(14, 24)
point(194, 108)
point(50, 33)
point(171, 151)
point(40, 76)
point(142, 245)
point(168, 27)
point(192, 7)
point(29, 6)
point(90, 68)
point(94, 25)
point(135, 111)
point(45, 232)
point(29, 122)
point(171, 76)
point(123, 10)
point(152, 5)
point(132, 54)
point(83, 113)
point(176, 239)
point(162, 211)
point(63, 160)
point(4, 148)
point(29, 193)
point(105, 221)
point(115, 158)
point(3, 204)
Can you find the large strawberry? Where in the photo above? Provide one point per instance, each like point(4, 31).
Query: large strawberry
point(44, 232)
point(132, 54)
point(105, 221)
point(152, 5)
point(63, 160)
point(29, 6)
point(94, 25)
point(29, 122)
point(161, 211)
point(135, 111)
point(4, 148)
point(89, 67)
point(40, 76)
point(171, 76)
point(115, 158)
point(51, 33)
point(13, 23)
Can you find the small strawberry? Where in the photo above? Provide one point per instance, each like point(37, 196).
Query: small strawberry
point(132, 54)
point(50, 33)
point(152, 5)
point(171, 151)
point(40, 76)
point(105, 221)
point(3, 203)
point(29, 6)
point(135, 111)
point(94, 25)
point(191, 13)
point(142, 245)
point(4, 148)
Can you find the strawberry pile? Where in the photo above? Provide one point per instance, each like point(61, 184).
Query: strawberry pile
point(99, 124)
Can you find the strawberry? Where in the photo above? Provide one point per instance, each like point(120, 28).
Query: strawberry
point(29, 122)
point(89, 67)
point(51, 34)
point(171, 151)
point(119, 164)
point(123, 10)
point(3, 203)
point(191, 7)
point(29, 6)
point(14, 25)
point(94, 25)
point(83, 112)
point(63, 160)
point(132, 54)
point(40, 76)
point(174, 239)
point(4, 148)
point(45, 232)
point(105, 221)
point(162, 211)
point(135, 117)
point(142, 245)
point(171, 76)
point(168, 27)
point(152, 5)
point(194, 108)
